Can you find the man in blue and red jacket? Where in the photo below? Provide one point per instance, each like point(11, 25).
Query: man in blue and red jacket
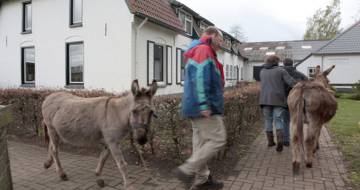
point(203, 103)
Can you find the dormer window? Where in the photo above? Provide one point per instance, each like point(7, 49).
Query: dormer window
point(203, 27)
point(227, 42)
point(280, 47)
point(264, 48)
point(248, 49)
point(187, 21)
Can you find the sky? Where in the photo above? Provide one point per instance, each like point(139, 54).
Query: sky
point(269, 20)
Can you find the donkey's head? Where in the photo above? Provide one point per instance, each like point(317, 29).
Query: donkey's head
point(322, 78)
point(141, 111)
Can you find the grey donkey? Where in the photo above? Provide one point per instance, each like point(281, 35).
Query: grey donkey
point(88, 122)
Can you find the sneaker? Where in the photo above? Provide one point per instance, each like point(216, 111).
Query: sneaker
point(210, 184)
point(184, 178)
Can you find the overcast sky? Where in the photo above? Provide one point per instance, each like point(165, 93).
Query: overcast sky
point(268, 20)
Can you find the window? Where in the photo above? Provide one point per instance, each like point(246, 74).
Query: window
point(28, 65)
point(227, 72)
point(27, 17)
point(280, 47)
point(248, 49)
point(203, 27)
point(264, 48)
point(231, 72)
point(311, 72)
point(159, 63)
point(187, 21)
point(180, 65)
point(306, 47)
point(75, 63)
point(270, 53)
point(76, 11)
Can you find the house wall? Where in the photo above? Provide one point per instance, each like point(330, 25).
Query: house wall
point(249, 70)
point(346, 70)
point(106, 33)
point(166, 37)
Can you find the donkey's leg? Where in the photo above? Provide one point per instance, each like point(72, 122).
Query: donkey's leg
point(54, 141)
point(120, 162)
point(103, 157)
point(296, 156)
point(50, 159)
point(143, 163)
point(310, 144)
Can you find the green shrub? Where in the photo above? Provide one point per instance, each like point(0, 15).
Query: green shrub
point(356, 91)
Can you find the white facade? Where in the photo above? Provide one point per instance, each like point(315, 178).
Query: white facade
point(115, 46)
point(346, 70)
point(249, 70)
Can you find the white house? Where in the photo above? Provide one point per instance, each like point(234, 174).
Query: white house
point(344, 52)
point(258, 51)
point(101, 44)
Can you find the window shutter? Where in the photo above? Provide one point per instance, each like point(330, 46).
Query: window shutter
point(178, 66)
point(169, 65)
point(150, 62)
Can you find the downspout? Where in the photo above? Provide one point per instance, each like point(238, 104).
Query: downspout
point(137, 33)
point(322, 63)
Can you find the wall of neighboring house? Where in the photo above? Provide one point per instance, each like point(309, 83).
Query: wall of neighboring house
point(232, 67)
point(249, 70)
point(149, 36)
point(106, 34)
point(346, 70)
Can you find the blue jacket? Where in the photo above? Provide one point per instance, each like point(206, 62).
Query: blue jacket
point(204, 80)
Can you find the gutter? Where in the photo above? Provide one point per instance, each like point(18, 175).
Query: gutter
point(137, 33)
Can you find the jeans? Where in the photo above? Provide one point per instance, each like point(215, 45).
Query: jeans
point(287, 125)
point(273, 114)
point(209, 136)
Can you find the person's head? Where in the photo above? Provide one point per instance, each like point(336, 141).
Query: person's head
point(273, 60)
point(216, 37)
point(288, 62)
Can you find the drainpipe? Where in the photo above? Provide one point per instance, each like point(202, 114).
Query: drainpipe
point(137, 33)
point(322, 63)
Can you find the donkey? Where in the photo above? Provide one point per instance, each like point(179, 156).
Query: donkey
point(87, 122)
point(311, 103)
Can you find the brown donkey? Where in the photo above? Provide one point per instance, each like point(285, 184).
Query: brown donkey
point(87, 122)
point(311, 104)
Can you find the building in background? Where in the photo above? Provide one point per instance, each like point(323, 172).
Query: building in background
point(102, 44)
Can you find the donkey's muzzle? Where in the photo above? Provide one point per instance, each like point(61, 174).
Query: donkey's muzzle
point(140, 135)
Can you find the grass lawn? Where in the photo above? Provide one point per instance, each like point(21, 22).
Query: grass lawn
point(346, 128)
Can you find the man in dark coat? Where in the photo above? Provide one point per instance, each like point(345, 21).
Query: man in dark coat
point(298, 76)
point(273, 99)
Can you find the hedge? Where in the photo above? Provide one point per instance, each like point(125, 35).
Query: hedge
point(170, 134)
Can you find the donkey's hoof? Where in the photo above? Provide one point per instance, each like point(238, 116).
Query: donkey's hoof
point(101, 183)
point(47, 165)
point(296, 168)
point(309, 164)
point(64, 177)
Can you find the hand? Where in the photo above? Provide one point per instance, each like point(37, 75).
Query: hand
point(206, 113)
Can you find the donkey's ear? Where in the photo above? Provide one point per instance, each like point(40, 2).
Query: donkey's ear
point(317, 70)
point(135, 87)
point(153, 88)
point(328, 71)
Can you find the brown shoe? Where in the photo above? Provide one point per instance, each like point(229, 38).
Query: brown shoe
point(270, 138)
point(210, 184)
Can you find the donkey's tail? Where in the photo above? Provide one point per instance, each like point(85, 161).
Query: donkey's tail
point(46, 134)
point(300, 120)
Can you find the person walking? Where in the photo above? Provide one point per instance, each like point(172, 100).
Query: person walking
point(298, 76)
point(203, 104)
point(273, 99)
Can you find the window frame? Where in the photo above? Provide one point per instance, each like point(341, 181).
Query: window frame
point(23, 67)
point(72, 24)
point(186, 15)
point(24, 30)
point(68, 71)
point(309, 73)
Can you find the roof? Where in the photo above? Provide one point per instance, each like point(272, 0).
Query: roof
point(345, 43)
point(296, 50)
point(159, 11)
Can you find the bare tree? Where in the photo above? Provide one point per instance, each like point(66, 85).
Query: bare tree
point(238, 33)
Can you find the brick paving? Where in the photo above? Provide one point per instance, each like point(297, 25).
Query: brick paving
point(261, 168)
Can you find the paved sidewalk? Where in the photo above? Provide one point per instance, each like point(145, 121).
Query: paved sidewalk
point(262, 168)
